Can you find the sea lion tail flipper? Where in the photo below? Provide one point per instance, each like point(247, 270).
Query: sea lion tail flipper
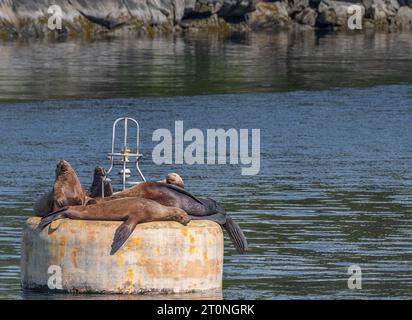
point(121, 235)
point(236, 235)
point(49, 218)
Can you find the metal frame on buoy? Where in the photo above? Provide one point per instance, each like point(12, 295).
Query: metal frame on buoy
point(123, 157)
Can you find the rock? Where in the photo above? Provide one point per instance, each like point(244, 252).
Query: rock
point(269, 15)
point(30, 17)
point(201, 8)
point(335, 13)
point(381, 10)
point(307, 16)
point(404, 17)
point(224, 8)
point(233, 9)
point(296, 6)
point(367, 4)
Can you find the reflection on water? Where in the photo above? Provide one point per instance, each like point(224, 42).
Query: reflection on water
point(334, 187)
point(201, 64)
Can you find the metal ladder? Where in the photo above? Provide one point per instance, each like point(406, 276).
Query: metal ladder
point(123, 157)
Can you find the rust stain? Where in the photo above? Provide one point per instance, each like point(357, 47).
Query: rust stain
point(75, 252)
point(133, 243)
point(55, 224)
point(193, 269)
point(120, 258)
point(167, 267)
point(198, 269)
point(192, 239)
point(62, 246)
point(192, 249)
point(91, 235)
point(63, 240)
point(185, 232)
point(205, 255)
point(130, 274)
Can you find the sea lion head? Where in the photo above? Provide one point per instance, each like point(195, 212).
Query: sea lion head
point(174, 178)
point(180, 216)
point(63, 167)
point(99, 171)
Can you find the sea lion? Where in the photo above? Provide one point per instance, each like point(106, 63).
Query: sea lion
point(130, 210)
point(95, 189)
point(67, 191)
point(198, 208)
point(174, 178)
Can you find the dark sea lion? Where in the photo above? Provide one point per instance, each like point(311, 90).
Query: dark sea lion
point(130, 210)
point(198, 208)
point(67, 191)
point(95, 189)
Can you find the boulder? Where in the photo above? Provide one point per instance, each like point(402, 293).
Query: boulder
point(334, 13)
point(201, 8)
point(404, 17)
point(234, 9)
point(307, 16)
point(269, 15)
point(383, 9)
point(296, 6)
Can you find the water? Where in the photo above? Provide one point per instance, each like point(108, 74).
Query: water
point(335, 182)
point(201, 64)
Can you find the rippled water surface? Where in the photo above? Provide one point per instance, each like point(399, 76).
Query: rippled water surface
point(335, 183)
point(201, 64)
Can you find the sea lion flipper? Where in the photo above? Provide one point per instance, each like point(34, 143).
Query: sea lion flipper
point(58, 204)
point(121, 235)
point(49, 218)
point(183, 191)
point(236, 235)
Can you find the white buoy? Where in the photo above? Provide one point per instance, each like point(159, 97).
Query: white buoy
point(159, 257)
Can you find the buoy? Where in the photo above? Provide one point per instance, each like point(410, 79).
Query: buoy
point(159, 257)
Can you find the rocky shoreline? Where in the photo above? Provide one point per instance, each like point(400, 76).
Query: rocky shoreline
point(29, 18)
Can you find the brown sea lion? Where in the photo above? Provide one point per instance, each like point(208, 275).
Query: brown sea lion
point(198, 208)
point(67, 191)
point(95, 189)
point(174, 178)
point(130, 210)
